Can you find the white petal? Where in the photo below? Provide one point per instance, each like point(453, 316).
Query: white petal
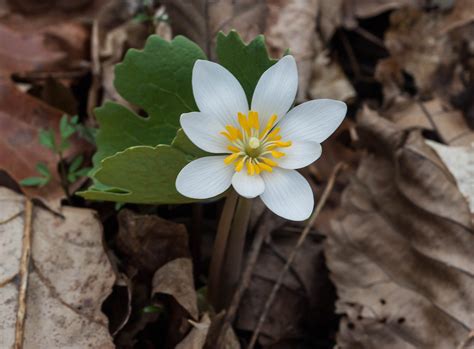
point(288, 194)
point(300, 154)
point(218, 93)
point(204, 178)
point(248, 186)
point(313, 121)
point(204, 131)
point(276, 89)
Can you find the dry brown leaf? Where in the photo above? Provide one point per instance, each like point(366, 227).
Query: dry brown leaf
point(427, 47)
point(292, 24)
point(328, 80)
point(460, 162)
point(22, 115)
point(401, 253)
point(230, 340)
point(304, 301)
point(146, 243)
point(371, 8)
point(176, 280)
point(331, 14)
point(433, 115)
point(69, 276)
point(286, 24)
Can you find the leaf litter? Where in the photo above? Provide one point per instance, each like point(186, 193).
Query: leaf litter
point(388, 264)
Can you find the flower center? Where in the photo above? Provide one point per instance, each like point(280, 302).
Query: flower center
point(252, 147)
point(254, 143)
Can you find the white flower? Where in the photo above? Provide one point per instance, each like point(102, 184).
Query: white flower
point(263, 145)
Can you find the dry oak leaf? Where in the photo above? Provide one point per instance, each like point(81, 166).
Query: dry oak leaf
point(460, 162)
point(176, 279)
point(285, 24)
point(303, 303)
point(22, 115)
point(68, 277)
point(400, 254)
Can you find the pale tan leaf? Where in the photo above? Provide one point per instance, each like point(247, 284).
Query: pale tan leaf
point(176, 279)
point(329, 81)
point(460, 162)
point(68, 276)
point(400, 255)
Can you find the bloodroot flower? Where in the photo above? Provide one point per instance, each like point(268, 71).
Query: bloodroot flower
point(259, 149)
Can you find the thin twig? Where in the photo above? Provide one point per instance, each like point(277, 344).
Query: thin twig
point(350, 53)
point(234, 252)
point(24, 273)
point(268, 224)
point(294, 251)
point(468, 341)
point(370, 37)
point(220, 243)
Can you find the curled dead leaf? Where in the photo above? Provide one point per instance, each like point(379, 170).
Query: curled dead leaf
point(401, 253)
point(176, 280)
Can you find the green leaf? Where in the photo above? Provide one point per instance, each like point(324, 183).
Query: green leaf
point(83, 172)
point(247, 62)
point(66, 129)
point(156, 79)
point(65, 144)
point(76, 163)
point(43, 169)
point(46, 138)
point(71, 177)
point(142, 175)
point(183, 143)
point(153, 309)
point(34, 181)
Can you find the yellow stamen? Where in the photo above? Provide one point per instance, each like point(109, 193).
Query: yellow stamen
point(228, 136)
point(253, 120)
point(283, 144)
point(240, 165)
point(269, 125)
point(231, 158)
point(244, 122)
point(234, 132)
point(257, 168)
point(233, 149)
point(264, 167)
point(277, 154)
point(250, 168)
point(269, 162)
point(274, 136)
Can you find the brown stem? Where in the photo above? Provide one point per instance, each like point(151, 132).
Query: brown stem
point(234, 252)
point(294, 251)
point(220, 244)
point(268, 224)
point(63, 177)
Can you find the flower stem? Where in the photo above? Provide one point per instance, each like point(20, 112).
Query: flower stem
point(234, 252)
point(220, 244)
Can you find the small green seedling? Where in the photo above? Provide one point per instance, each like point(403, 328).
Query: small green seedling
point(68, 174)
